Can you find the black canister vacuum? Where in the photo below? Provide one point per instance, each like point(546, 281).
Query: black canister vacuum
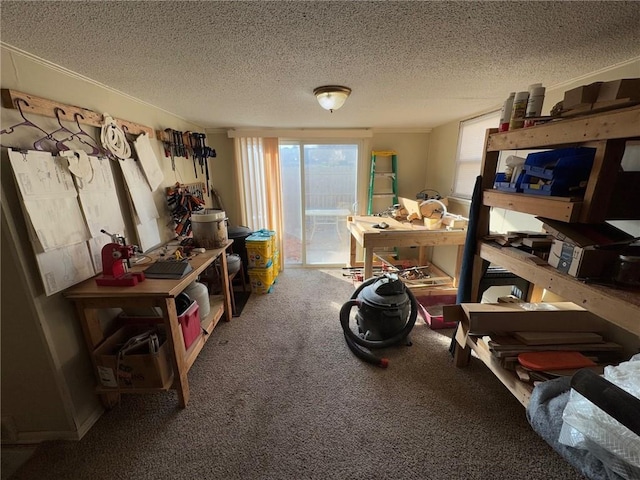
point(387, 312)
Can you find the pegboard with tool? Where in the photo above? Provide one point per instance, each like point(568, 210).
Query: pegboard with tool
point(188, 144)
point(183, 200)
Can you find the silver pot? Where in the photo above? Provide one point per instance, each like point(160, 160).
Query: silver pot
point(626, 271)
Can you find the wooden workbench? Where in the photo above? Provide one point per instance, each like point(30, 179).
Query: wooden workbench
point(399, 234)
point(90, 298)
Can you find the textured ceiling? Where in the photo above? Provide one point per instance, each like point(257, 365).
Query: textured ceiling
point(255, 64)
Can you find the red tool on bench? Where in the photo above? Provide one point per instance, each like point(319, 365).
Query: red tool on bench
point(115, 263)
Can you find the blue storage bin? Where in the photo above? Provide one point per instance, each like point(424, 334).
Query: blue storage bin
point(560, 161)
point(501, 184)
point(563, 171)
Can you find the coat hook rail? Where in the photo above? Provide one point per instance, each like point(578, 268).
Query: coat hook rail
point(47, 108)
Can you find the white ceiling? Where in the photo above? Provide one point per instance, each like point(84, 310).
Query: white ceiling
point(411, 65)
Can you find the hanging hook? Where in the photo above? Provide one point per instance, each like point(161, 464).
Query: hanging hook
point(81, 134)
point(60, 146)
point(26, 122)
point(47, 135)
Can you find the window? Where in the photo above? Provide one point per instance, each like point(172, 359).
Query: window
point(469, 156)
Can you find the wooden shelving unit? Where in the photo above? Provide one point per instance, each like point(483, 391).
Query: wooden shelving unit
point(608, 132)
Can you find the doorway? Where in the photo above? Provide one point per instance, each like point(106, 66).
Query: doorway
point(319, 191)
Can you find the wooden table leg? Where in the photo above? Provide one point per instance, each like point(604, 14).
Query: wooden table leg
point(226, 287)
point(368, 263)
point(353, 244)
point(458, 266)
point(462, 352)
point(422, 256)
point(176, 351)
point(461, 356)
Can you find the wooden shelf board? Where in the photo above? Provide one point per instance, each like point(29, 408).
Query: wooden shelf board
point(520, 390)
point(619, 307)
point(621, 123)
point(46, 107)
point(564, 209)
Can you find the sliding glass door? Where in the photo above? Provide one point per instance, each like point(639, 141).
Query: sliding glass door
point(319, 183)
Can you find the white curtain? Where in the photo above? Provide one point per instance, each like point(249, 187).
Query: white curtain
point(260, 188)
point(251, 179)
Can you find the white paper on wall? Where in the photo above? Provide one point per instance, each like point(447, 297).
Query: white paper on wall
point(99, 200)
point(148, 235)
point(139, 191)
point(148, 161)
point(64, 267)
point(49, 199)
point(95, 250)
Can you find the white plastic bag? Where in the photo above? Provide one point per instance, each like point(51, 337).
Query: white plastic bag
point(587, 427)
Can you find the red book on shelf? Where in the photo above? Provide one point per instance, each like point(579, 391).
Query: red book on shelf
point(554, 360)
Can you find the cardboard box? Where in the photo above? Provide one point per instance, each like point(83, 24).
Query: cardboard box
point(575, 248)
point(623, 89)
point(584, 234)
point(581, 262)
point(487, 318)
point(134, 370)
point(581, 96)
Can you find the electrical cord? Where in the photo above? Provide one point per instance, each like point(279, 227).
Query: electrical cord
point(113, 138)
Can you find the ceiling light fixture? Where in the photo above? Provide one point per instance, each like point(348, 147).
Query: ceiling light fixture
point(331, 97)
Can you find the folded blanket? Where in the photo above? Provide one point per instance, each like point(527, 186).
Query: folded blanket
point(544, 413)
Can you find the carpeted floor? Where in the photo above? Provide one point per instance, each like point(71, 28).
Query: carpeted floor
point(276, 394)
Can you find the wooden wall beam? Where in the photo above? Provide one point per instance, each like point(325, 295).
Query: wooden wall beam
point(46, 107)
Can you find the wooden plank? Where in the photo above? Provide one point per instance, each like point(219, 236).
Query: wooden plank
point(622, 123)
point(557, 208)
point(412, 207)
point(46, 107)
point(619, 307)
point(626, 197)
point(415, 238)
point(150, 288)
point(557, 338)
point(601, 184)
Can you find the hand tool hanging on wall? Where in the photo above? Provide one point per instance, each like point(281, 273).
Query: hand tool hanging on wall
point(193, 153)
point(169, 148)
point(181, 146)
point(182, 202)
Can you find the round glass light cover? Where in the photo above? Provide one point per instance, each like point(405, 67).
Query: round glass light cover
point(332, 100)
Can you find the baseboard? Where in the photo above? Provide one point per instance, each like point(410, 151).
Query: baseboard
point(89, 422)
point(29, 438)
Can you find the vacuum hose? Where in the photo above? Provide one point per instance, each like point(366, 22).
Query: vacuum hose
point(360, 346)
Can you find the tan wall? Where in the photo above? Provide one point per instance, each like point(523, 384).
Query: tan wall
point(412, 158)
point(223, 173)
point(52, 396)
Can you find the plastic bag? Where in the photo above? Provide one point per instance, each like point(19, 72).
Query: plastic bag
point(587, 427)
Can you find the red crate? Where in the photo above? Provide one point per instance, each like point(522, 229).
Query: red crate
point(190, 323)
point(430, 307)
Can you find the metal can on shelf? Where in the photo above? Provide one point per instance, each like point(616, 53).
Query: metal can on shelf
point(627, 271)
